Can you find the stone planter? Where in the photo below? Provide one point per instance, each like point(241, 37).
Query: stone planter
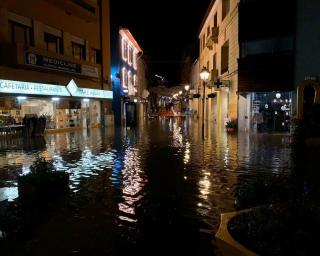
point(227, 245)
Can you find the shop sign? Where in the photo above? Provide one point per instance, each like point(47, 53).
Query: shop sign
point(88, 92)
point(89, 71)
point(18, 87)
point(52, 63)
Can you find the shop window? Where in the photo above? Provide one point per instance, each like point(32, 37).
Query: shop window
point(53, 43)
point(19, 33)
point(78, 51)
point(225, 57)
point(225, 8)
point(96, 56)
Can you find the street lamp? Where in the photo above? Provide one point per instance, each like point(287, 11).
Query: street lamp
point(204, 76)
point(187, 87)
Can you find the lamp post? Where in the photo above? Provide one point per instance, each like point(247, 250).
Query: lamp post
point(187, 87)
point(204, 76)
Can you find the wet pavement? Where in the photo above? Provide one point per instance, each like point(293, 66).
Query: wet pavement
point(158, 189)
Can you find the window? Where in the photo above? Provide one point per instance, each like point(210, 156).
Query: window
point(214, 63)
point(124, 78)
point(203, 41)
point(19, 34)
point(225, 57)
point(215, 20)
point(78, 51)
point(53, 43)
point(208, 65)
point(208, 31)
point(95, 56)
point(135, 60)
point(124, 49)
point(225, 8)
point(135, 80)
point(130, 55)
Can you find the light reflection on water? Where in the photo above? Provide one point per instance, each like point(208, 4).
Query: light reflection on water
point(168, 153)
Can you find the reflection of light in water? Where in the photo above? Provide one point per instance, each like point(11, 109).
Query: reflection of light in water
point(132, 184)
point(8, 193)
point(186, 158)
point(177, 136)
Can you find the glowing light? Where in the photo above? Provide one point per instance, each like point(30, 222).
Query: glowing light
point(266, 106)
point(135, 100)
point(55, 99)
point(278, 95)
point(21, 97)
point(86, 100)
point(180, 92)
point(187, 87)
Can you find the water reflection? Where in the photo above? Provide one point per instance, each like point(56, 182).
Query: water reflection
point(161, 174)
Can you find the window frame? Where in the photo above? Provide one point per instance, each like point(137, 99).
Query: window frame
point(28, 32)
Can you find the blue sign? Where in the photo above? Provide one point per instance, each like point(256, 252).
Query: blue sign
point(40, 61)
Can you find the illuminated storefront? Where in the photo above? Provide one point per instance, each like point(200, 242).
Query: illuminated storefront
point(63, 106)
point(271, 111)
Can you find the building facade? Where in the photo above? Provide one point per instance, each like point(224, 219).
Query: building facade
point(266, 65)
point(128, 79)
point(55, 62)
point(219, 52)
point(254, 63)
point(307, 75)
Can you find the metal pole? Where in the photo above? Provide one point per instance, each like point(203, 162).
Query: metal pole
point(203, 101)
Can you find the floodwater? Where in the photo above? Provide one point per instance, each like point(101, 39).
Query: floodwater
point(157, 189)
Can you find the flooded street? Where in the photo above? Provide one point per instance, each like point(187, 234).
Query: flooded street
point(157, 189)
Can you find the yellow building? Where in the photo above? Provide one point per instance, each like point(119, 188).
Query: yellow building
point(55, 61)
point(219, 52)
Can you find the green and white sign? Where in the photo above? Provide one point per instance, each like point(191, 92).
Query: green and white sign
point(87, 92)
point(18, 87)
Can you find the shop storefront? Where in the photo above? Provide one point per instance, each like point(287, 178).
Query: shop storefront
point(63, 107)
point(271, 111)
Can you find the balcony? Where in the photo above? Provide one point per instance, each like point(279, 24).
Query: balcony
point(18, 55)
point(85, 9)
point(213, 37)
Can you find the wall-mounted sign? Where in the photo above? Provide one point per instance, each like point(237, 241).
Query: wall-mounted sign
point(89, 71)
point(18, 87)
point(87, 92)
point(52, 63)
point(311, 78)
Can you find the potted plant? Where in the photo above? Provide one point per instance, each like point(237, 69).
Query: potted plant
point(232, 125)
point(43, 181)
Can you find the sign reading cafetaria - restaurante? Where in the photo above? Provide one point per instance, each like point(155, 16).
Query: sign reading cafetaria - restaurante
point(18, 87)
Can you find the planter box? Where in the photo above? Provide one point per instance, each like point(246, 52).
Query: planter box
point(227, 245)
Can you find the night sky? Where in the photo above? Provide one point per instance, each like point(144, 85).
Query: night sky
point(163, 28)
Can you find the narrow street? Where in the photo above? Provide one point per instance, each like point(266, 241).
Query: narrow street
point(158, 189)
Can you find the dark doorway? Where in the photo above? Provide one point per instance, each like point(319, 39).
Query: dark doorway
point(131, 116)
point(308, 100)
